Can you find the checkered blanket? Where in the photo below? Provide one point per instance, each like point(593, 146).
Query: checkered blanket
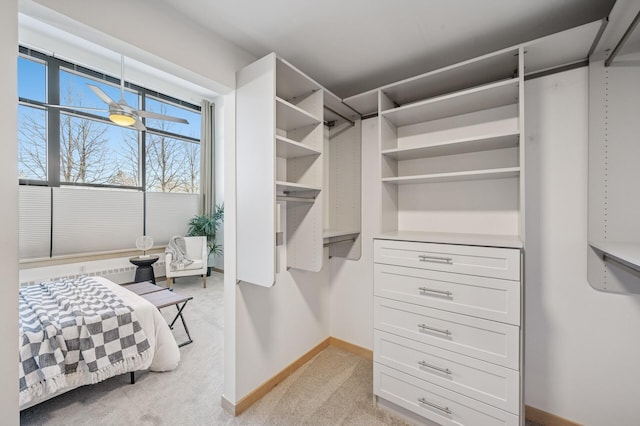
point(75, 332)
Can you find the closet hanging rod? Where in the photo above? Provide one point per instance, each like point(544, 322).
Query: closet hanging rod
point(345, 240)
point(622, 41)
point(296, 199)
point(353, 123)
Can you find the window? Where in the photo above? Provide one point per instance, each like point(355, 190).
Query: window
point(94, 175)
point(172, 150)
point(32, 120)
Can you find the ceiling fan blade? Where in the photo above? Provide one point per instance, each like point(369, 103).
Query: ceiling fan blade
point(149, 114)
point(71, 107)
point(98, 91)
point(138, 125)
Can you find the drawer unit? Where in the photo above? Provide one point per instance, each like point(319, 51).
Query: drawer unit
point(447, 331)
point(489, 298)
point(482, 261)
point(436, 403)
point(479, 338)
point(486, 382)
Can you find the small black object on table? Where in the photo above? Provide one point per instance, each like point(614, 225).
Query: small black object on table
point(144, 272)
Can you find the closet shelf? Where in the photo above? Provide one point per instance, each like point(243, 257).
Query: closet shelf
point(457, 146)
point(479, 98)
point(291, 82)
point(508, 172)
point(332, 233)
point(627, 254)
point(365, 103)
point(295, 187)
point(289, 116)
point(288, 148)
point(464, 75)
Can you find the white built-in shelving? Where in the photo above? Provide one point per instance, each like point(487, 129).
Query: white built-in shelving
point(460, 126)
point(295, 187)
point(475, 99)
point(279, 169)
point(476, 143)
point(452, 180)
point(613, 253)
point(284, 201)
point(342, 180)
point(507, 172)
point(288, 148)
point(627, 254)
point(291, 117)
point(332, 233)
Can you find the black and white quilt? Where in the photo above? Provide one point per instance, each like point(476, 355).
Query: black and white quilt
point(74, 332)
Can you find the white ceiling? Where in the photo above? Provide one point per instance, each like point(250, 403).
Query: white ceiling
point(351, 46)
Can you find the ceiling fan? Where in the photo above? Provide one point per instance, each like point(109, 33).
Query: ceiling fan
point(120, 112)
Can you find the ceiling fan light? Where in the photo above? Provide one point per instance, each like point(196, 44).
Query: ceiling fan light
point(122, 118)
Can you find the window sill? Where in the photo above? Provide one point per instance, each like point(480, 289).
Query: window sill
point(84, 257)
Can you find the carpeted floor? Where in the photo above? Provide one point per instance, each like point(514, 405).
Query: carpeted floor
point(334, 388)
point(189, 395)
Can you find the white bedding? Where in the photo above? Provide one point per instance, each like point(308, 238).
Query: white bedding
point(165, 354)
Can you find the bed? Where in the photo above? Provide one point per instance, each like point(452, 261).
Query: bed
point(56, 364)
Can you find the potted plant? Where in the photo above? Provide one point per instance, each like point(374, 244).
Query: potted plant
point(207, 226)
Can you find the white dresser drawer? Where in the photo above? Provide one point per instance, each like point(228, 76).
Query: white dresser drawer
point(479, 338)
point(434, 402)
point(482, 261)
point(486, 382)
point(482, 297)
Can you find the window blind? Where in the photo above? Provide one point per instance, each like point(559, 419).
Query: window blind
point(168, 214)
point(34, 204)
point(95, 220)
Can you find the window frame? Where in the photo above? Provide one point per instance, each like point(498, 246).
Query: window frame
point(53, 66)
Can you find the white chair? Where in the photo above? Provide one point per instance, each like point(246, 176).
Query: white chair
point(197, 251)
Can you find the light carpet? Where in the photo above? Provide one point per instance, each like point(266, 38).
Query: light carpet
point(333, 388)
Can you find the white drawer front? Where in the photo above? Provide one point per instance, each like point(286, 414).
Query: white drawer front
point(434, 402)
point(486, 382)
point(483, 339)
point(483, 261)
point(482, 297)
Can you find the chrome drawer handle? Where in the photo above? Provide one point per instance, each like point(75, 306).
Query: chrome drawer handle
point(431, 290)
point(437, 330)
point(436, 406)
point(438, 259)
point(434, 367)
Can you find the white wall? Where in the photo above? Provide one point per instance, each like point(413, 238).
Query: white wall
point(275, 326)
point(229, 228)
point(582, 346)
point(9, 228)
point(352, 280)
point(136, 27)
